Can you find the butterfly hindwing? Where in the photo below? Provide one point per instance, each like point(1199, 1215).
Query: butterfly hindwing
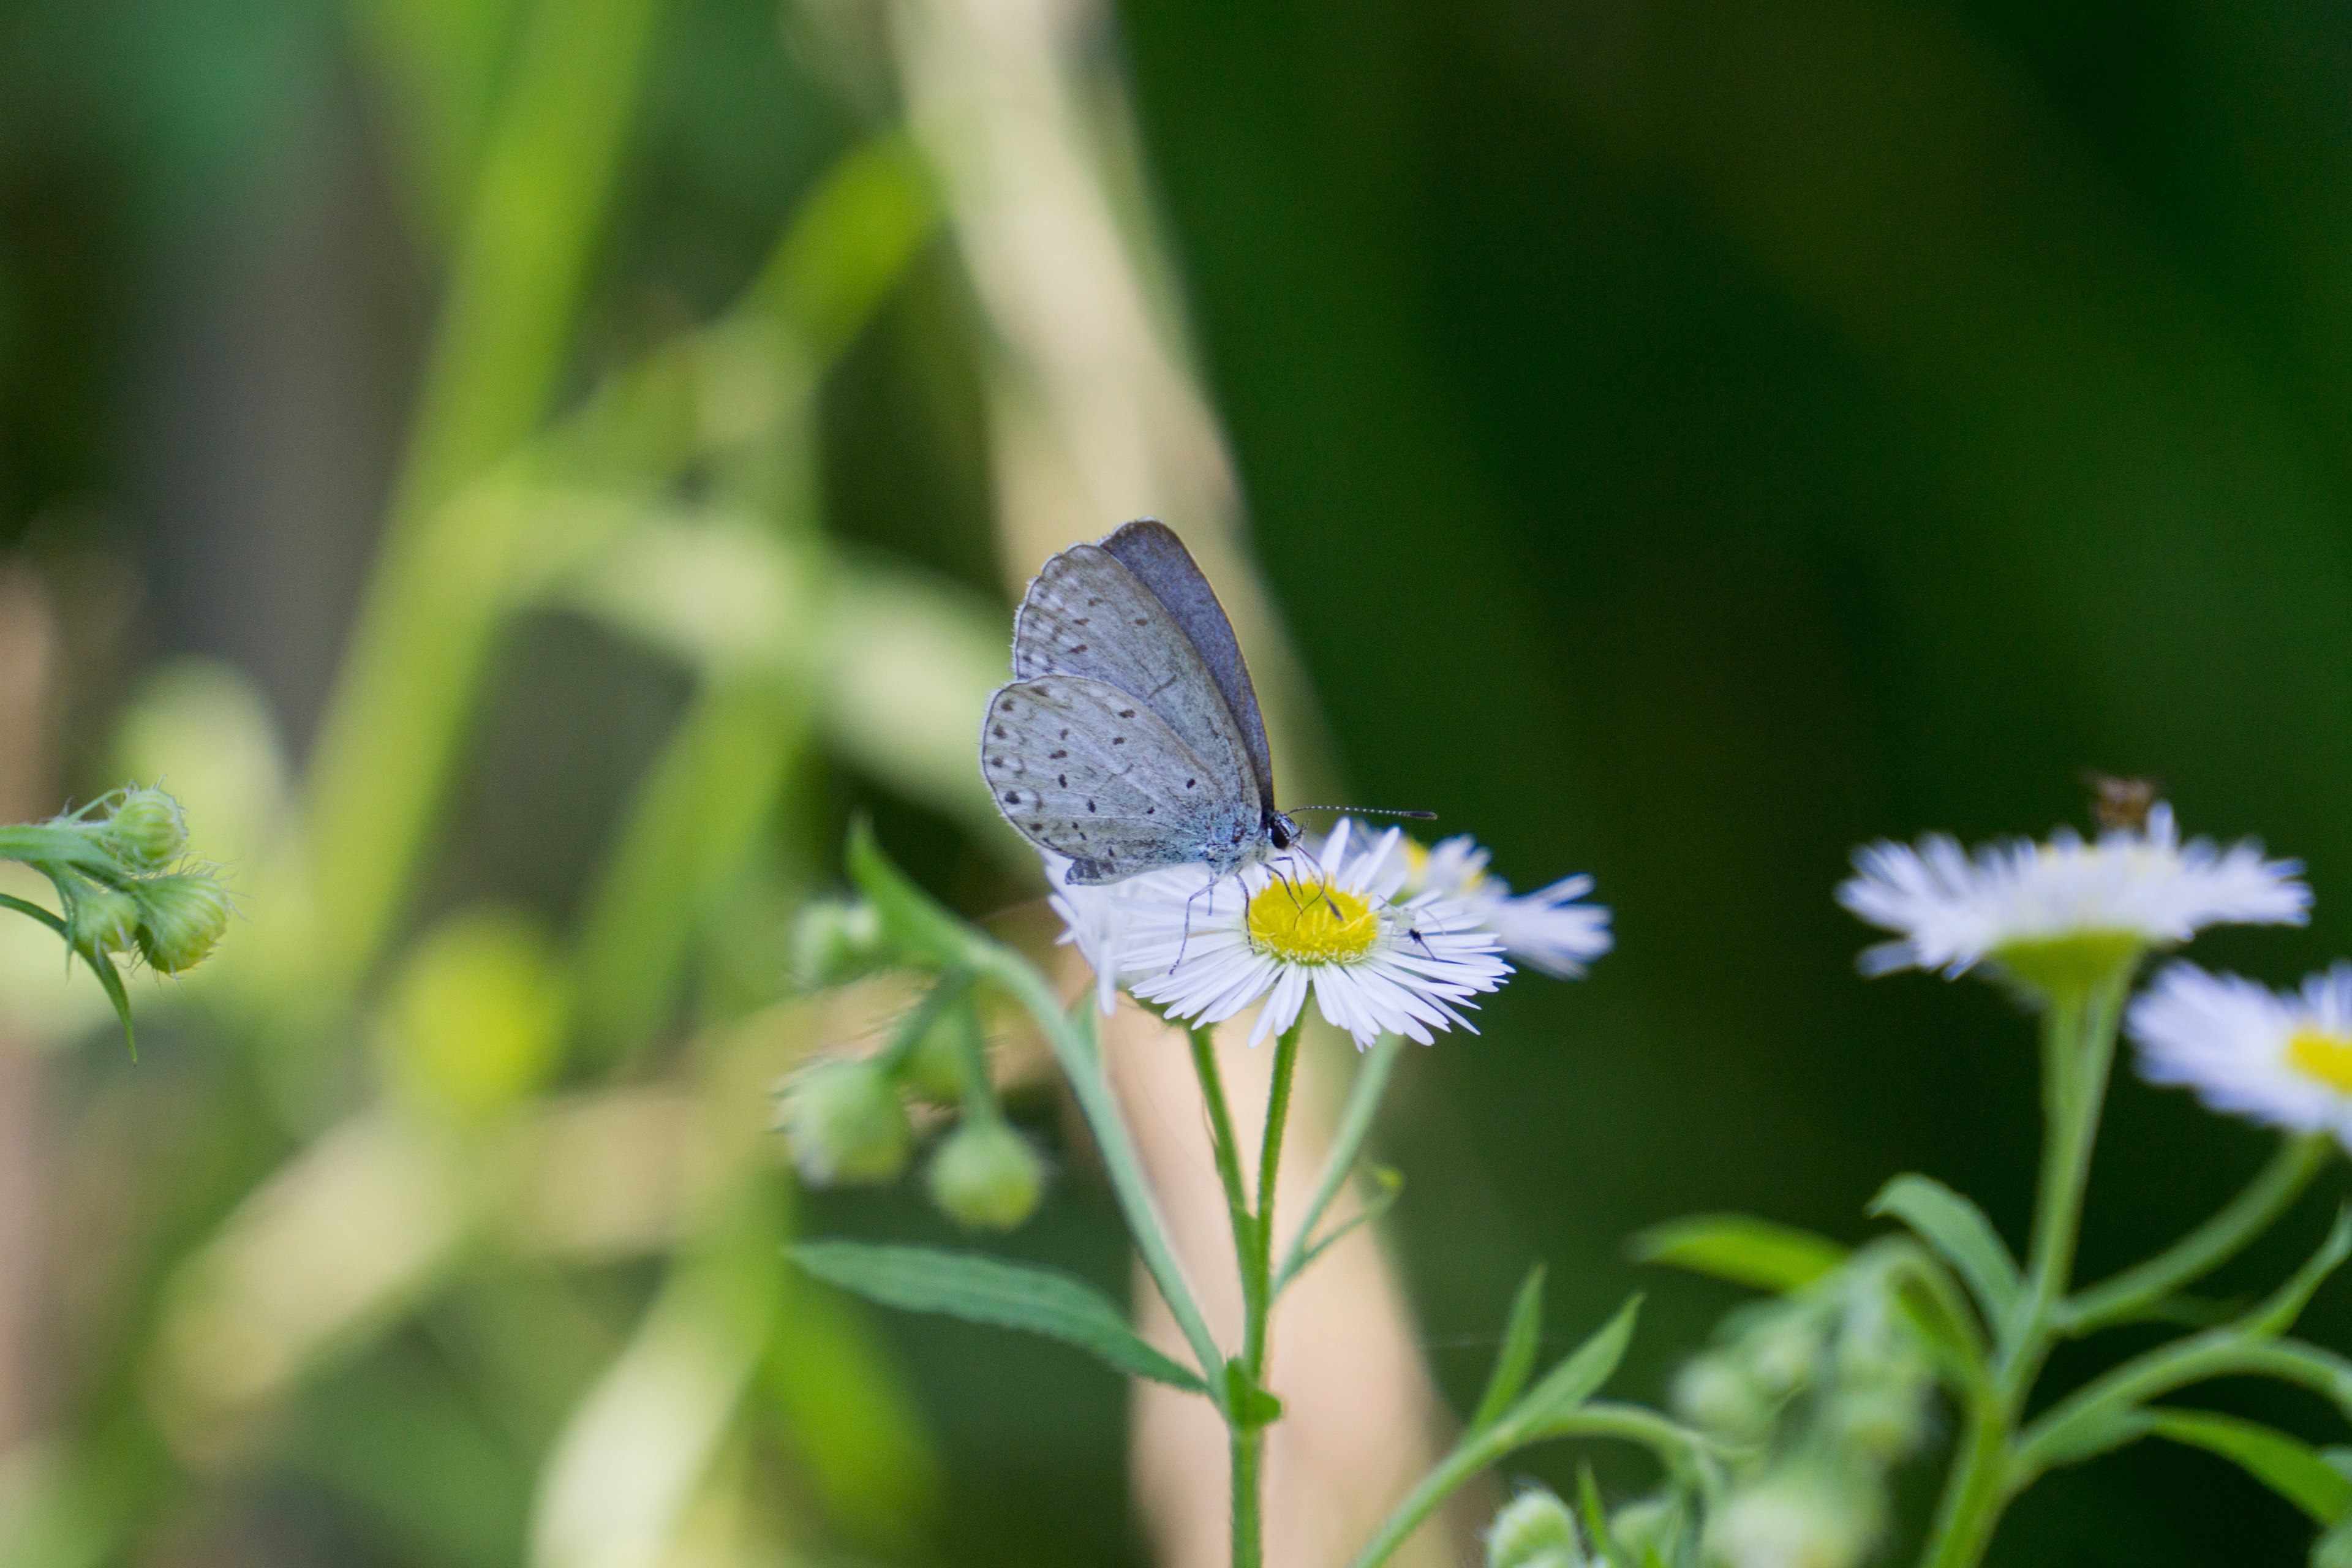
point(1086, 614)
point(1080, 767)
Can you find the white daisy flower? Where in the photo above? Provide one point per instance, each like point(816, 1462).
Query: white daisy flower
point(1547, 929)
point(2078, 904)
point(1096, 918)
point(1273, 932)
point(2282, 1058)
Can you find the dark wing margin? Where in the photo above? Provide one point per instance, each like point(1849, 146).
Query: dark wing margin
point(1152, 551)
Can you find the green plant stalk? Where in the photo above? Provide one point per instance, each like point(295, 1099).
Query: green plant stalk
point(390, 732)
point(2078, 1048)
point(2136, 1289)
point(1256, 1259)
point(1346, 1143)
point(1682, 1452)
point(1081, 1063)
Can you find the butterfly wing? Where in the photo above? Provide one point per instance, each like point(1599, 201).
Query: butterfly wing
point(1159, 560)
point(1086, 614)
point(1082, 768)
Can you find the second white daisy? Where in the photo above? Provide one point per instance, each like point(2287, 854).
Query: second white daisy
point(1272, 934)
point(2019, 903)
point(2280, 1058)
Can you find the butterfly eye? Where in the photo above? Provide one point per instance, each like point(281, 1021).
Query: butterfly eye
point(1280, 829)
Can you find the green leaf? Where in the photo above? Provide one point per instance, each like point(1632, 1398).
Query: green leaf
point(984, 1290)
point(918, 923)
point(2288, 1466)
point(1742, 1249)
point(2278, 1315)
point(1577, 1378)
point(1595, 1515)
point(109, 977)
point(1388, 1185)
point(1252, 1405)
point(1958, 1230)
point(1522, 1337)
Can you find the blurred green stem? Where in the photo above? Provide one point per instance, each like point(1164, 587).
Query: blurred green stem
point(2138, 1290)
point(391, 732)
point(2078, 1048)
point(1071, 1035)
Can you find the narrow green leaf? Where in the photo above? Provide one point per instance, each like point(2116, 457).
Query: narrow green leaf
point(1958, 1230)
point(984, 1291)
point(1595, 1515)
point(913, 917)
point(109, 978)
point(1388, 1185)
point(1742, 1249)
point(2278, 1315)
point(1576, 1379)
point(1522, 1337)
point(2288, 1466)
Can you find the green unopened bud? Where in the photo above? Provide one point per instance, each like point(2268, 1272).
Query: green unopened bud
point(1535, 1530)
point(1782, 1356)
point(1648, 1526)
point(1717, 1392)
point(103, 919)
point(986, 1175)
point(148, 831)
point(1884, 1420)
point(180, 919)
point(1794, 1520)
point(844, 1124)
point(937, 1068)
point(836, 941)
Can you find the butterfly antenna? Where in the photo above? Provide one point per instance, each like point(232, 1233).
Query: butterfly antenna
point(1368, 811)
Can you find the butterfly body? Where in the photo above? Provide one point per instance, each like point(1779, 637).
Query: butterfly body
point(1129, 738)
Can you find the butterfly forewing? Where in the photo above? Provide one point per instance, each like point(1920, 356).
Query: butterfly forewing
point(1082, 768)
point(1088, 615)
point(1166, 569)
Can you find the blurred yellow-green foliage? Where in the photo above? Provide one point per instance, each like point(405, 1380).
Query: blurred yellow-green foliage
point(524, 471)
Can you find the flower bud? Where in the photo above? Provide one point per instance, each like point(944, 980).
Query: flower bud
point(1649, 1525)
point(844, 1124)
point(936, 1069)
point(1535, 1530)
point(148, 831)
point(1883, 1419)
point(1781, 1356)
point(180, 919)
point(834, 940)
point(103, 919)
point(1717, 1392)
point(986, 1175)
point(1792, 1519)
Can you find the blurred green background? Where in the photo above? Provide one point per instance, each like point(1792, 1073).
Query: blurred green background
point(526, 472)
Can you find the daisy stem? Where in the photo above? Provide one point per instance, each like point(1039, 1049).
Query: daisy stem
point(2078, 1043)
point(1253, 1226)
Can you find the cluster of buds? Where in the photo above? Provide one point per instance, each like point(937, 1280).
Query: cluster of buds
point(1822, 1391)
point(848, 1120)
point(120, 868)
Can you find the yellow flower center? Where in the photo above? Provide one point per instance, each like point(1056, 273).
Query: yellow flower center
point(2317, 1054)
point(1312, 922)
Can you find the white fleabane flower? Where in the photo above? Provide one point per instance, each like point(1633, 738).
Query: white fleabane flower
point(1272, 933)
point(2067, 903)
point(1096, 917)
point(1547, 929)
point(2284, 1057)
